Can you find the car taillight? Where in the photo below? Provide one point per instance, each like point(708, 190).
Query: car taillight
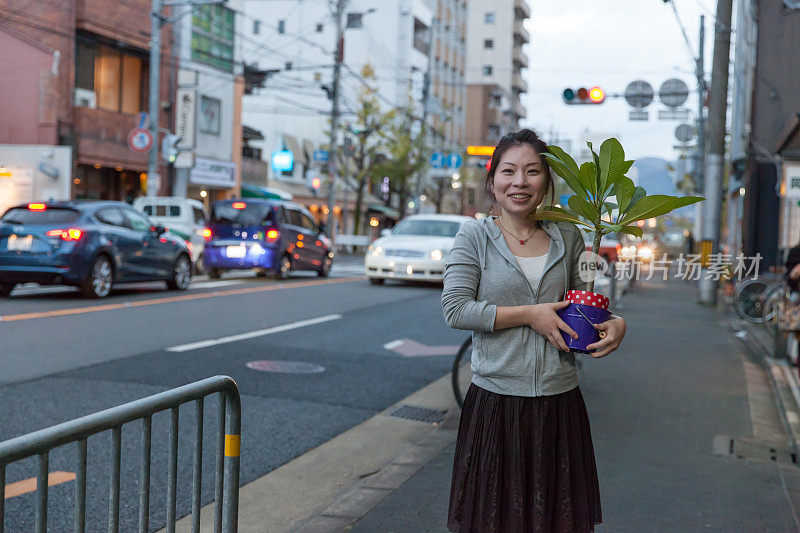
point(71, 234)
point(239, 205)
point(37, 207)
point(272, 235)
point(207, 234)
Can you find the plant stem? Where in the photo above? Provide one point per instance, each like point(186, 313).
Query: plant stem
point(595, 249)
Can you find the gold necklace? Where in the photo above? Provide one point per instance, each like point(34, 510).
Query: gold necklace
point(521, 241)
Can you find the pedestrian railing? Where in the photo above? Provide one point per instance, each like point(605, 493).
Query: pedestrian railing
point(227, 457)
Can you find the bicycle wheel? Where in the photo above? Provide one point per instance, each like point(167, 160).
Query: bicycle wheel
point(461, 383)
point(748, 300)
point(772, 298)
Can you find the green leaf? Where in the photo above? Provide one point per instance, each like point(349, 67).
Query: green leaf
point(683, 201)
point(636, 231)
point(638, 194)
point(588, 178)
point(613, 228)
point(557, 210)
point(561, 217)
point(612, 159)
point(608, 207)
point(562, 170)
point(656, 205)
point(583, 207)
point(623, 190)
point(596, 158)
point(627, 166)
point(564, 157)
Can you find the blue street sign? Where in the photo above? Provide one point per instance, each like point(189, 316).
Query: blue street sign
point(320, 155)
point(437, 160)
point(454, 160)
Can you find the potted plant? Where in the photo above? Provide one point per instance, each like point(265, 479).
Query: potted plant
point(594, 184)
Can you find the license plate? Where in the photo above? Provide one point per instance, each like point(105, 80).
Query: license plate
point(236, 251)
point(17, 242)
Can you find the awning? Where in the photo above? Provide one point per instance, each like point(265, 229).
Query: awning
point(384, 209)
point(251, 134)
point(257, 191)
point(293, 146)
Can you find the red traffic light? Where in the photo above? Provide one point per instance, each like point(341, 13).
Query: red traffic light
point(584, 96)
point(315, 183)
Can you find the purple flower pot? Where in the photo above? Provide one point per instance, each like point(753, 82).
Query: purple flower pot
point(585, 330)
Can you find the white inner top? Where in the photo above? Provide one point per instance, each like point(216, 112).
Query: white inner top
point(532, 267)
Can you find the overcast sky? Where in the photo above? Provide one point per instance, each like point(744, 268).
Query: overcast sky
point(611, 43)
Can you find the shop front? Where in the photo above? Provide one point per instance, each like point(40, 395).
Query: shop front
point(212, 179)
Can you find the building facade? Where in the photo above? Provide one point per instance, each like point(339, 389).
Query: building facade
point(81, 82)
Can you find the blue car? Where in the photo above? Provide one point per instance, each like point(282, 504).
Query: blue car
point(273, 236)
point(91, 245)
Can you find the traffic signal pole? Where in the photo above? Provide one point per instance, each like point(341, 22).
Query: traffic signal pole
point(700, 149)
point(718, 103)
point(153, 179)
point(332, 163)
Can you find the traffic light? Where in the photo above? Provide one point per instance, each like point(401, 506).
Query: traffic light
point(584, 96)
point(313, 182)
point(169, 148)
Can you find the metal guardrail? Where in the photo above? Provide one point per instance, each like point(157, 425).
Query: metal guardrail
point(79, 430)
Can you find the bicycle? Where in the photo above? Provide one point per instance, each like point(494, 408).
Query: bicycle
point(755, 300)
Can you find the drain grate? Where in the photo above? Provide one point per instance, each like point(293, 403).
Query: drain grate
point(419, 414)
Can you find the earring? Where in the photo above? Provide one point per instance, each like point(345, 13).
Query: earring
point(491, 209)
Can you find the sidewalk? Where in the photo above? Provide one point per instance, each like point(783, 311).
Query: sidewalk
point(687, 432)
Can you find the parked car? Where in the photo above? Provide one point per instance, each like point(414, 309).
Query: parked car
point(273, 236)
point(610, 248)
point(183, 217)
point(89, 244)
point(416, 249)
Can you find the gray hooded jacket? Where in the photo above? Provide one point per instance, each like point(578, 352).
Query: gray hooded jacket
point(481, 274)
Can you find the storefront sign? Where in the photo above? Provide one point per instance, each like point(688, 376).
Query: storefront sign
point(791, 176)
point(185, 118)
point(282, 161)
point(213, 172)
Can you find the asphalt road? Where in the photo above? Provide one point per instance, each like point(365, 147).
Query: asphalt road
point(62, 357)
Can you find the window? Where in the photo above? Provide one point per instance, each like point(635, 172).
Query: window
point(209, 115)
point(320, 27)
point(212, 36)
point(114, 75)
point(308, 224)
point(294, 218)
point(112, 217)
point(199, 216)
point(136, 221)
point(52, 215)
point(281, 26)
point(487, 70)
point(488, 18)
point(256, 27)
point(488, 44)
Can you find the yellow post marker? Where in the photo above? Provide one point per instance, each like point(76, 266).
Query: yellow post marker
point(232, 445)
point(480, 150)
point(705, 252)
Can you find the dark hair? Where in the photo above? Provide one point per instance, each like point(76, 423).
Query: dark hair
point(519, 138)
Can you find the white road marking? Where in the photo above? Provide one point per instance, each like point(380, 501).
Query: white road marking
point(210, 284)
point(394, 344)
point(253, 334)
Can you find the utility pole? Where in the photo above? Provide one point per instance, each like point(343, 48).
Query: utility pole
point(715, 160)
point(700, 149)
point(426, 98)
point(337, 68)
point(153, 179)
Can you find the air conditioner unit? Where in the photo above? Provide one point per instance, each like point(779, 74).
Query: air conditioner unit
point(84, 98)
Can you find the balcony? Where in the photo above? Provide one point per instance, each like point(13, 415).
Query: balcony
point(519, 84)
point(519, 57)
point(521, 32)
point(521, 10)
point(518, 109)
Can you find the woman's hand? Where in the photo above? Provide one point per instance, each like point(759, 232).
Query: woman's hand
point(614, 329)
point(795, 273)
point(544, 321)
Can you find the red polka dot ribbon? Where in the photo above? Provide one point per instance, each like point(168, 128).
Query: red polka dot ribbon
point(588, 298)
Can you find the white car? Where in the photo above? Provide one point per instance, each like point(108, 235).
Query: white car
point(416, 249)
point(183, 216)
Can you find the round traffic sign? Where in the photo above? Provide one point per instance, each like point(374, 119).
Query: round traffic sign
point(684, 133)
point(673, 92)
point(140, 140)
point(639, 94)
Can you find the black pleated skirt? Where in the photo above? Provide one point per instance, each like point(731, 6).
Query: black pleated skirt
point(524, 464)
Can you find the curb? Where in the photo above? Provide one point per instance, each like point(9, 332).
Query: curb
point(784, 381)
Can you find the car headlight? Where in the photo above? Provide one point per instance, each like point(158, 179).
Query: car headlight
point(375, 251)
point(436, 255)
point(645, 252)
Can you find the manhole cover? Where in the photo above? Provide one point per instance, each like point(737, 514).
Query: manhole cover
point(419, 414)
point(286, 367)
